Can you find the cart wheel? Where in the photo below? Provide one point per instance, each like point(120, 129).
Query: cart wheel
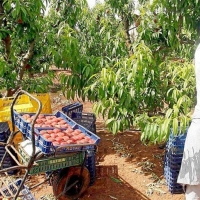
point(72, 175)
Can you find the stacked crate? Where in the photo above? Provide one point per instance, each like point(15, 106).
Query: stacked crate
point(91, 165)
point(8, 190)
point(172, 164)
point(87, 120)
point(75, 112)
point(4, 134)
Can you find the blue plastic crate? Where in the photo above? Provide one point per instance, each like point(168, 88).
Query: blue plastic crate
point(176, 149)
point(8, 159)
point(4, 131)
point(91, 165)
point(26, 194)
point(47, 146)
point(171, 175)
point(176, 158)
point(87, 120)
point(176, 189)
point(25, 126)
point(74, 107)
point(177, 139)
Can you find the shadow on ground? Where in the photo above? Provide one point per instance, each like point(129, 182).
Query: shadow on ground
point(109, 185)
point(128, 146)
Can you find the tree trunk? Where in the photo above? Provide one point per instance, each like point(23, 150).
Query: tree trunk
point(25, 60)
point(1, 12)
point(10, 92)
point(128, 37)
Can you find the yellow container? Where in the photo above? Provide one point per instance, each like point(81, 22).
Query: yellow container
point(45, 100)
point(22, 104)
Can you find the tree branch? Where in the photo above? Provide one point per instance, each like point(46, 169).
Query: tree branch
point(128, 37)
point(1, 12)
point(25, 60)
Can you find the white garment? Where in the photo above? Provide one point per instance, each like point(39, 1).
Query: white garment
point(192, 192)
point(190, 166)
point(189, 173)
point(196, 113)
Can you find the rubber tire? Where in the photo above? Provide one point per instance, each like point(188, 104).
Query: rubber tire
point(72, 173)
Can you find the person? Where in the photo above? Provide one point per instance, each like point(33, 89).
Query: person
point(189, 174)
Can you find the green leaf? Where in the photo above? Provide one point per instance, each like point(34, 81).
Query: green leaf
point(116, 180)
point(175, 126)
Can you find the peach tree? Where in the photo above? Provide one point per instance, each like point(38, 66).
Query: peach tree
point(153, 88)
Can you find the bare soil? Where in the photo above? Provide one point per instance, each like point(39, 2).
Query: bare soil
point(126, 168)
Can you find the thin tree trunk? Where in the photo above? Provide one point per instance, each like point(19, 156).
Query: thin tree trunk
point(1, 12)
point(128, 37)
point(25, 60)
point(6, 40)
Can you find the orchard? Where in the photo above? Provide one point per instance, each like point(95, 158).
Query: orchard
point(136, 69)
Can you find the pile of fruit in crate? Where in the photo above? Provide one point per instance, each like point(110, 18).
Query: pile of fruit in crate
point(58, 130)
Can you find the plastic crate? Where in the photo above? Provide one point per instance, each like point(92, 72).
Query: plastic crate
point(176, 149)
point(25, 126)
point(176, 189)
point(22, 104)
point(45, 100)
point(11, 189)
point(91, 165)
point(48, 148)
point(176, 158)
point(53, 163)
point(87, 120)
point(177, 139)
point(4, 131)
point(173, 159)
point(74, 107)
point(171, 176)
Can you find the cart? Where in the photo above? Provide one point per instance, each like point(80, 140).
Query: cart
point(65, 170)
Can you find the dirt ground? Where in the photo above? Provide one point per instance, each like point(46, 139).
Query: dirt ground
point(126, 168)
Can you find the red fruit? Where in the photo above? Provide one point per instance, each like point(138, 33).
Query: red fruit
point(49, 131)
point(37, 125)
point(55, 143)
point(42, 132)
point(54, 124)
point(61, 122)
point(40, 116)
point(70, 130)
point(39, 121)
point(77, 131)
point(70, 142)
point(19, 21)
point(29, 120)
point(82, 134)
point(91, 141)
point(55, 120)
point(87, 138)
point(50, 139)
point(54, 135)
point(46, 136)
point(48, 122)
point(28, 66)
point(56, 130)
point(74, 138)
point(25, 116)
point(60, 134)
point(63, 143)
point(80, 137)
point(66, 138)
point(64, 126)
point(58, 139)
point(57, 126)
